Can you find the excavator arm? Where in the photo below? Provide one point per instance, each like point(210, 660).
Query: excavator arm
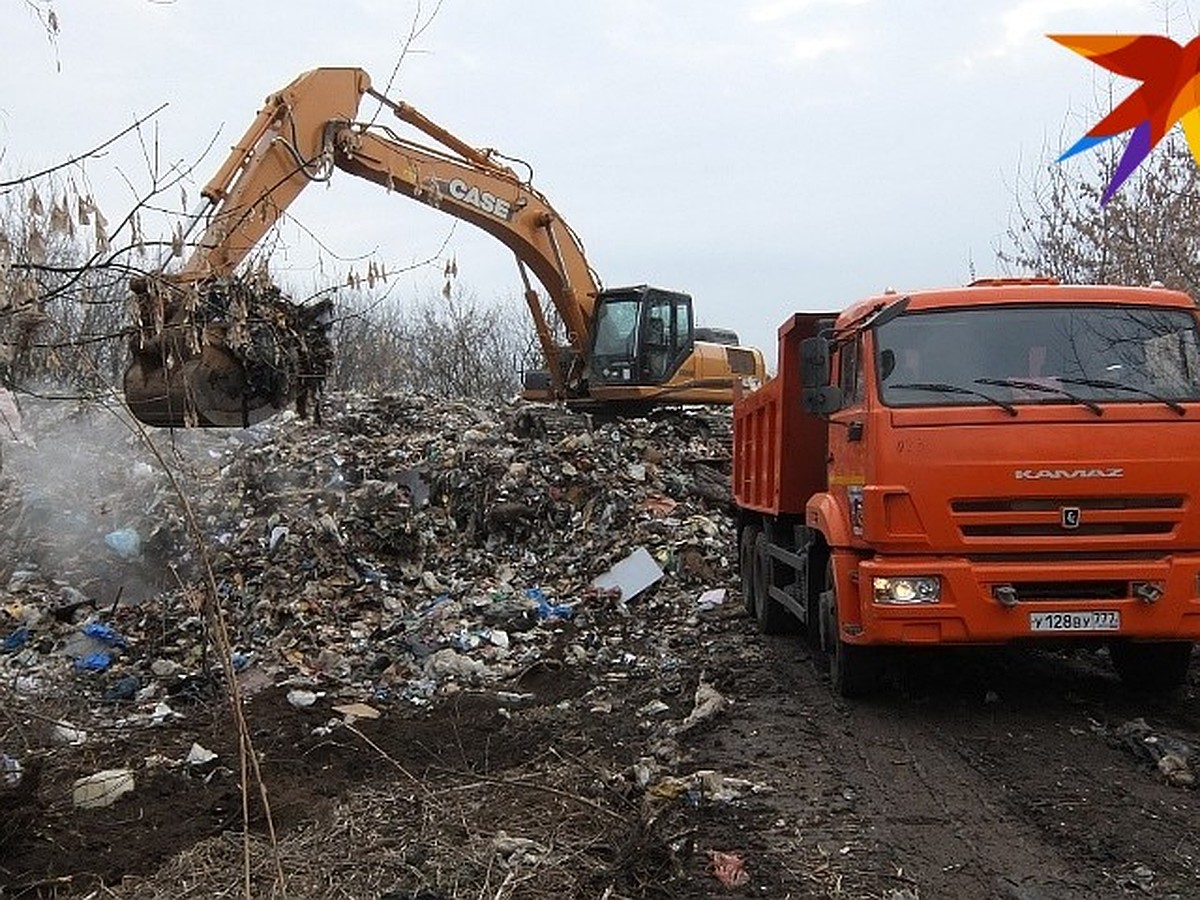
point(301, 135)
point(192, 369)
point(496, 201)
point(309, 128)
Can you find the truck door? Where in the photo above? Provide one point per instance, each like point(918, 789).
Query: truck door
point(847, 432)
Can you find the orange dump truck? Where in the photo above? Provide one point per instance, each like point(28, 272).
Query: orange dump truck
point(1015, 460)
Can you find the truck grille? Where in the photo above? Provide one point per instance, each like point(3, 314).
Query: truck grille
point(1024, 517)
point(1070, 590)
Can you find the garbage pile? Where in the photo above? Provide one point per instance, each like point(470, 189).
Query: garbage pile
point(399, 551)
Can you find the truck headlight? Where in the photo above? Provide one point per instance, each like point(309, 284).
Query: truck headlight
point(908, 589)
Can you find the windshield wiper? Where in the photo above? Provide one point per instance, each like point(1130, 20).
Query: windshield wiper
point(1043, 388)
point(1108, 385)
point(939, 387)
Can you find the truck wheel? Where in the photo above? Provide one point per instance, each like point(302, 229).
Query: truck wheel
point(746, 552)
point(1153, 666)
point(853, 669)
point(773, 617)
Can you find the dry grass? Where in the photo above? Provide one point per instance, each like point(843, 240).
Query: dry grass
point(453, 835)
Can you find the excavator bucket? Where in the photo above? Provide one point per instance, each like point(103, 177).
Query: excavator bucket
point(223, 353)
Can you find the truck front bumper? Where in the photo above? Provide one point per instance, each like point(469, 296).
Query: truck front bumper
point(1084, 594)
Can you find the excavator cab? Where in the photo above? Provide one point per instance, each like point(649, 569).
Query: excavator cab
point(646, 350)
point(642, 335)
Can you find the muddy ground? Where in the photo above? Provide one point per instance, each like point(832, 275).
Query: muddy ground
point(971, 775)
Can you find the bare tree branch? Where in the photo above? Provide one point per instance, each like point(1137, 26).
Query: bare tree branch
point(90, 154)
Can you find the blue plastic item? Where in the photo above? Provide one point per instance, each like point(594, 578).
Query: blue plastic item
point(17, 639)
point(93, 662)
point(546, 609)
point(103, 633)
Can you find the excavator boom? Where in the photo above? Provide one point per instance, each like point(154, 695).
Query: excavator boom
point(187, 370)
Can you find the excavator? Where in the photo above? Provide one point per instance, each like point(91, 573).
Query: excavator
point(207, 352)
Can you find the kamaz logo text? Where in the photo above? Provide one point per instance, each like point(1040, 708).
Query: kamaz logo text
point(485, 201)
point(1068, 474)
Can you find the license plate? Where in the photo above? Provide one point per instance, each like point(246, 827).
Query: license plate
point(1081, 620)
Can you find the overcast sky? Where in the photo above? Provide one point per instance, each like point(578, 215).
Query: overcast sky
point(765, 156)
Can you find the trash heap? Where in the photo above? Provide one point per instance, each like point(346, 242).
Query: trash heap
point(398, 551)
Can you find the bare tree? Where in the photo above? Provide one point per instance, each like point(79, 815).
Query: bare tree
point(59, 317)
point(443, 346)
point(1148, 231)
point(47, 19)
point(63, 279)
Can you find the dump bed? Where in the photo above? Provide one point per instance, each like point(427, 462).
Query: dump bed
point(779, 450)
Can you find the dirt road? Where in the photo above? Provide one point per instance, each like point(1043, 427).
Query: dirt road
point(983, 774)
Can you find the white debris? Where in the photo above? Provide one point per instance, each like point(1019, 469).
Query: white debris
point(708, 702)
point(102, 788)
point(302, 698)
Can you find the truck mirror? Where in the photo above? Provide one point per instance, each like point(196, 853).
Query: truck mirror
point(821, 401)
point(887, 363)
point(814, 358)
point(817, 395)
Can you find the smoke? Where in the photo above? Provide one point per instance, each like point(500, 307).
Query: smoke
point(86, 506)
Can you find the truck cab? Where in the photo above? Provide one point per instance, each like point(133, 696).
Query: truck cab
point(1010, 461)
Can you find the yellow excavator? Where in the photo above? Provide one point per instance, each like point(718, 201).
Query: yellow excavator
point(212, 349)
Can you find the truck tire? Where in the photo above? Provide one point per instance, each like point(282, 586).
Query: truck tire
point(773, 617)
point(853, 669)
point(1152, 666)
point(746, 551)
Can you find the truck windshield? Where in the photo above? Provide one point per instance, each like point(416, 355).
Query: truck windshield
point(1046, 354)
